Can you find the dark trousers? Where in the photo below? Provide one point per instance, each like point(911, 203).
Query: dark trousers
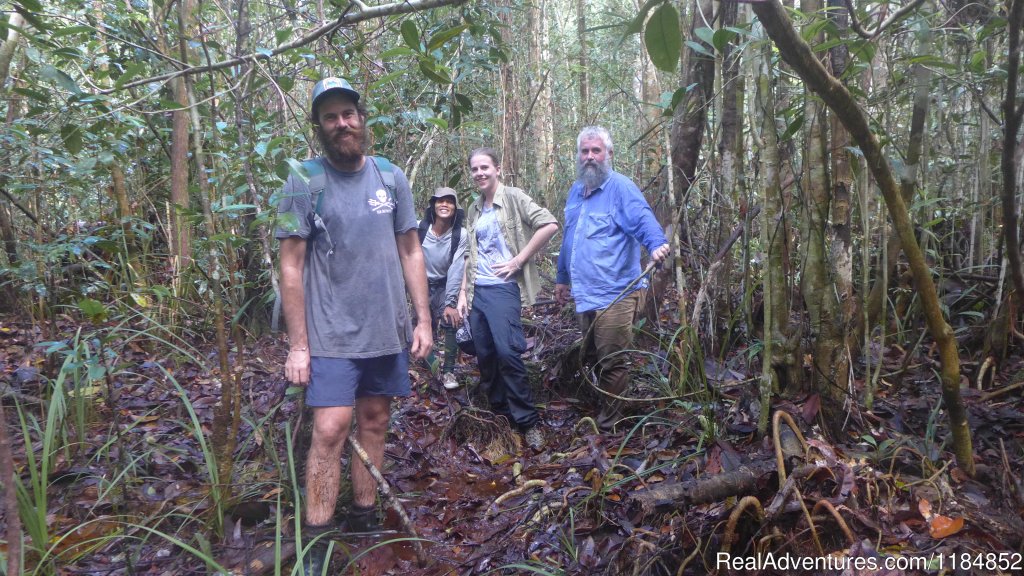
point(497, 327)
point(451, 349)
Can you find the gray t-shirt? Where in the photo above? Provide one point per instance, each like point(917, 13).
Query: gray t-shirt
point(441, 264)
point(354, 285)
point(491, 249)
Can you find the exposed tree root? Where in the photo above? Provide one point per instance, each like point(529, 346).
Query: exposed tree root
point(526, 487)
point(839, 519)
point(729, 538)
point(491, 434)
point(780, 451)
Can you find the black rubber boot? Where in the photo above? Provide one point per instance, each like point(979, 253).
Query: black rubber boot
point(363, 520)
point(316, 560)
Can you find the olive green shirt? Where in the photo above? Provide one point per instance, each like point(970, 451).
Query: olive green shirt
point(519, 217)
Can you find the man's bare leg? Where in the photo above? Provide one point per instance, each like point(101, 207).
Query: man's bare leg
point(373, 414)
point(331, 426)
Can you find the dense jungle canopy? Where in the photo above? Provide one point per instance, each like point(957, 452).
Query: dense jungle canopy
point(829, 368)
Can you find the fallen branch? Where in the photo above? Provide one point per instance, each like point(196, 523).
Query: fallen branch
point(385, 489)
point(790, 448)
point(744, 480)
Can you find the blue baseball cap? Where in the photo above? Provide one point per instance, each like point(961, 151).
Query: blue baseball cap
point(328, 86)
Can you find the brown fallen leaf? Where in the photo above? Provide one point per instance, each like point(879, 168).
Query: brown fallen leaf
point(942, 526)
point(925, 507)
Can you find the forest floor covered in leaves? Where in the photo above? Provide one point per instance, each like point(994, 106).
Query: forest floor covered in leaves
point(681, 486)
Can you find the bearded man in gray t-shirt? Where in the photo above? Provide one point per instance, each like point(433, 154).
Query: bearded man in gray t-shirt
point(347, 260)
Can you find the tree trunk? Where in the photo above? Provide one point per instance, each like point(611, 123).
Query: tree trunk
point(798, 54)
point(652, 152)
point(510, 105)
point(730, 145)
point(10, 239)
point(819, 294)
point(253, 267)
point(224, 436)
point(540, 107)
point(1008, 163)
point(14, 22)
point(7, 233)
point(840, 234)
point(690, 116)
point(773, 230)
point(180, 237)
point(584, 79)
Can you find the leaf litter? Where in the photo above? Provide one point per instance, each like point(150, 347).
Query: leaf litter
point(654, 497)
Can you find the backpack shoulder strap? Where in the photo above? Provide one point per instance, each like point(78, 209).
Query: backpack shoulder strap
point(422, 230)
point(456, 237)
point(317, 182)
point(386, 170)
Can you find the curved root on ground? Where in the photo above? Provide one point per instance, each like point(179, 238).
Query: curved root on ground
point(734, 517)
point(526, 487)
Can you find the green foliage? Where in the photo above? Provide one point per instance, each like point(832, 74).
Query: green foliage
point(662, 37)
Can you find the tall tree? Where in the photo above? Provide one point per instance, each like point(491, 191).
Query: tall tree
point(7, 233)
point(840, 230)
point(819, 294)
point(539, 107)
point(584, 64)
point(14, 23)
point(690, 117)
point(773, 232)
point(1012, 111)
point(509, 102)
point(179, 230)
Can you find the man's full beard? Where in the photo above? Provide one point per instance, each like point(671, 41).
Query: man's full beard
point(593, 174)
point(346, 150)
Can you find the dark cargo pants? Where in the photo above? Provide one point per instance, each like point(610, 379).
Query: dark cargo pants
point(496, 322)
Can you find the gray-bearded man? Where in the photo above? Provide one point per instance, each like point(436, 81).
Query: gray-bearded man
point(607, 220)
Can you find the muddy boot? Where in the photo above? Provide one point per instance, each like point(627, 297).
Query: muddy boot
point(316, 559)
point(609, 415)
point(362, 520)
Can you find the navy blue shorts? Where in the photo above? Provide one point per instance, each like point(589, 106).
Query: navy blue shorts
point(339, 381)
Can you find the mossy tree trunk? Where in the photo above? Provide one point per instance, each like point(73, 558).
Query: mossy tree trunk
point(773, 231)
point(908, 187)
point(840, 234)
point(819, 293)
point(1008, 162)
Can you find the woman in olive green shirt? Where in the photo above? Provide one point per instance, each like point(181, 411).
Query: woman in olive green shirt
point(506, 228)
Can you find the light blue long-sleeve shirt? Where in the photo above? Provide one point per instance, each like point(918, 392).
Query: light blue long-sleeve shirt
point(600, 253)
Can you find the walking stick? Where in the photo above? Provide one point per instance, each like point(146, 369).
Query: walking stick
point(385, 489)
